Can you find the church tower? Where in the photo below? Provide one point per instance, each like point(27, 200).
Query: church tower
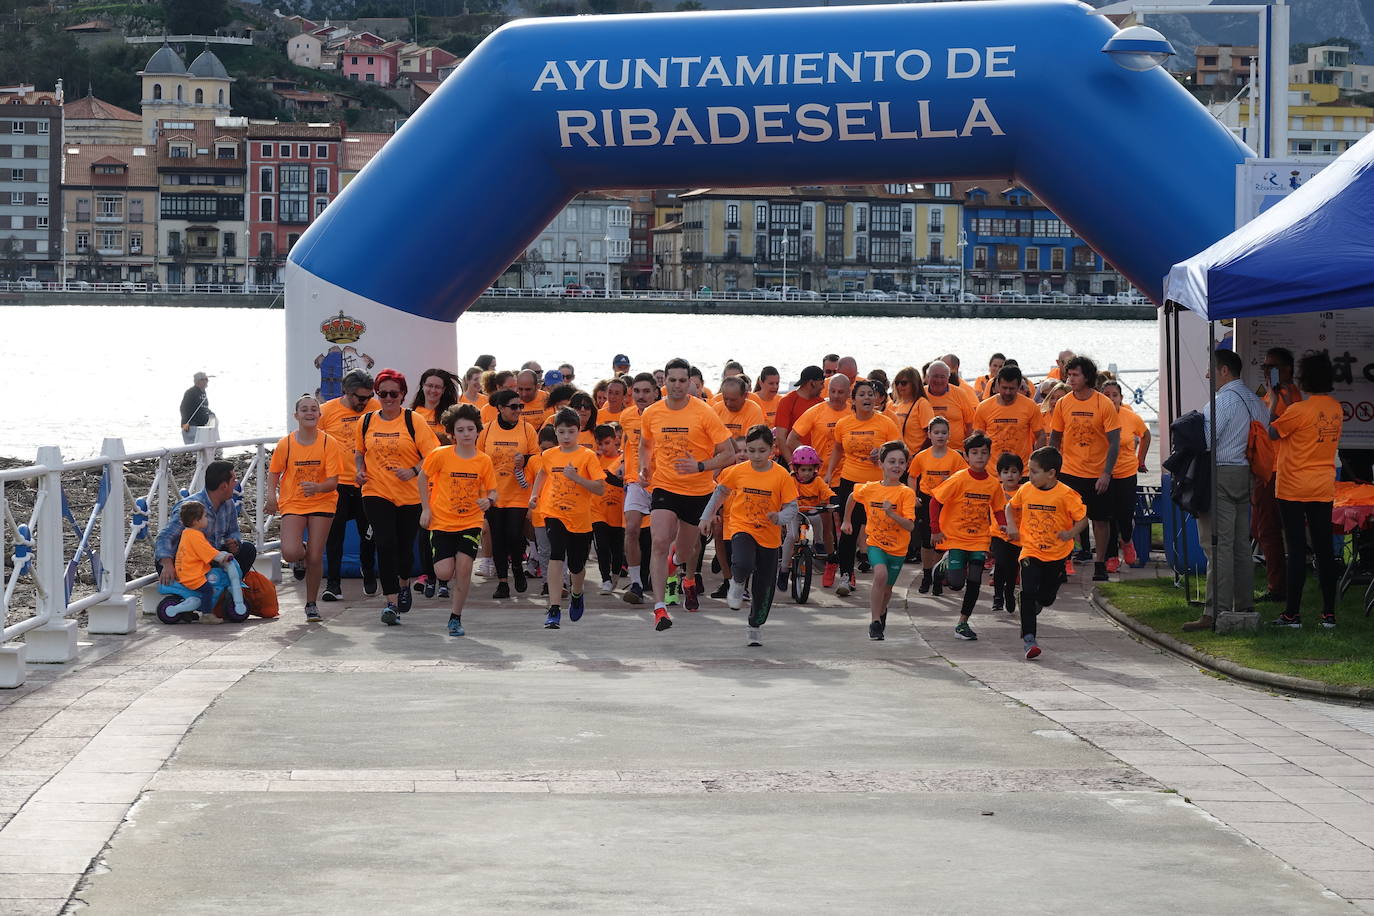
point(174, 92)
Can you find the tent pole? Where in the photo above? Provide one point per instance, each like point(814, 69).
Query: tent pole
point(1210, 594)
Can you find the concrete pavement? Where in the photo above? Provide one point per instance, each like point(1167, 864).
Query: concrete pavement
point(349, 767)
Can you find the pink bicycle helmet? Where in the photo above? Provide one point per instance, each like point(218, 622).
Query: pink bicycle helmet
point(805, 454)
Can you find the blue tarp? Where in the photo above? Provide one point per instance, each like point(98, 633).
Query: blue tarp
point(1311, 252)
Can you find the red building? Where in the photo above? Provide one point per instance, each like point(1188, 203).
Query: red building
point(293, 174)
point(361, 61)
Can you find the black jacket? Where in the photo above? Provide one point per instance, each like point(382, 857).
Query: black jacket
point(1190, 464)
point(195, 407)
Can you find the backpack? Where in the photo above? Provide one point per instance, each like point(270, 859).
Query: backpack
point(410, 428)
point(1190, 464)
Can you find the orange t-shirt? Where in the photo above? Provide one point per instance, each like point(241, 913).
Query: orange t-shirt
point(502, 445)
point(388, 446)
point(754, 494)
point(816, 427)
point(479, 403)
point(1011, 429)
point(1055, 374)
point(1041, 515)
point(532, 469)
point(535, 412)
point(967, 507)
point(814, 495)
point(629, 427)
point(1310, 431)
point(956, 407)
point(692, 432)
point(911, 419)
point(564, 498)
point(606, 415)
point(769, 408)
point(1132, 429)
point(194, 559)
point(857, 439)
point(455, 485)
point(341, 421)
point(316, 462)
point(929, 471)
point(883, 532)
point(1085, 425)
point(738, 422)
point(609, 507)
point(994, 529)
point(432, 420)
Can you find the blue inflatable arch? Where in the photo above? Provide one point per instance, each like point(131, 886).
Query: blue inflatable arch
point(547, 108)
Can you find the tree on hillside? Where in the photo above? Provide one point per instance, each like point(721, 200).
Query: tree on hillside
point(690, 6)
point(195, 17)
point(1297, 54)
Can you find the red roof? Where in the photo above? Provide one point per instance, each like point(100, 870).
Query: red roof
point(360, 147)
point(93, 109)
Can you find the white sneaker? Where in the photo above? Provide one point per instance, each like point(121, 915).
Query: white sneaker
point(486, 568)
point(755, 638)
point(607, 587)
point(734, 599)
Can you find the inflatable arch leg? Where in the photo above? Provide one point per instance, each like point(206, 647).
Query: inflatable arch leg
point(543, 109)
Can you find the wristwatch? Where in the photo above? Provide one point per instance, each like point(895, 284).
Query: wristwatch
point(415, 470)
point(701, 466)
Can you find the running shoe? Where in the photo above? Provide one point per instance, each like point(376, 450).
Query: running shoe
point(403, 601)
point(1011, 604)
point(1032, 650)
point(1290, 621)
point(486, 568)
point(1328, 621)
point(964, 631)
point(455, 627)
point(312, 613)
point(672, 590)
point(937, 583)
point(864, 565)
point(333, 591)
point(1083, 555)
point(607, 586)
point(521, 583)
point(782, 580)
point(715, 565)
point(551, 619)
point(690, 600)
point(661, 619)
point(389, 615)
point(1099, 572)
point(755, 637)
point(298, 571)
point(543, 589)
point(634, 594)
point(997, 604)
point(846, 587)
point(420, 584)
point(734, 599)
point(443, 590)
point(431, 588)
point(875, 630)
point(828, 577)
point(502, 590)
point(1128, 553)
point(1068, 567)
point(1113, 564)
point(722, 590)
point(576, 606)
point(926, 581)
point(370, 584)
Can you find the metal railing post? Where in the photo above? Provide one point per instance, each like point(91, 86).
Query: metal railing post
point(269, 561)
point(118, 613)
point(54, 641)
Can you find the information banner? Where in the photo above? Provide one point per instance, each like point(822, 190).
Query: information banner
point(1347, 336)
point(1261, 183)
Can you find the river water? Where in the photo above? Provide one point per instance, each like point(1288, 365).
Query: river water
point(78, 374)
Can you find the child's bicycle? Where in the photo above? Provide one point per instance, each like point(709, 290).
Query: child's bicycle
point(803, 556)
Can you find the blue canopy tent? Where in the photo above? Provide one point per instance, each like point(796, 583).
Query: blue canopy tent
point(1312, 251)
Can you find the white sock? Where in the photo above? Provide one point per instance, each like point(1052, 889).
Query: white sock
point(634, 576)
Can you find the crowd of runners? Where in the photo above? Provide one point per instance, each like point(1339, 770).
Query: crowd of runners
point(513, 475)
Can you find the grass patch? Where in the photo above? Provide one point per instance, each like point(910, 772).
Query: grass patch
point(1343, 656)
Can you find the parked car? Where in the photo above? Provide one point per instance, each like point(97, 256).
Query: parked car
point(549, 290)
point(972, 297)
point(578, 290)
point(29, 283)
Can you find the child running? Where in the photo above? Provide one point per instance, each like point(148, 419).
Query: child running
point(569, 477)
point(929, 469)
point(1004, 548)
point(457, 487)
point(763, 501)
point(539, 548)
point(962, 511)
point(608, 510)
point(1046, 515)
point(813, 499)
point(196, 560)
point(890, 506)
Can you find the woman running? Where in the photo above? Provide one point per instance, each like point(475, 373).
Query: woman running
point(909, 408)
point(510, 443)
point(472, 388)
point(302, 488)
point(438, 392)
point(858, 438)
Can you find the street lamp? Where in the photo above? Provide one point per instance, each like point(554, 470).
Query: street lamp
point(606, 283)
point(961, 245)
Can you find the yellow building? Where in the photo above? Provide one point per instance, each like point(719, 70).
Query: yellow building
point(174, 92)
point(1320, 122)
point(831, 238)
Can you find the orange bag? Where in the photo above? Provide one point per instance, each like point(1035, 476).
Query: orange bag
point(259, 594)
point(1261, 451)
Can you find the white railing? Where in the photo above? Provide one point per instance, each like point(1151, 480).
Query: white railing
point(795, 295)
point(129, 286)
point(50, 547)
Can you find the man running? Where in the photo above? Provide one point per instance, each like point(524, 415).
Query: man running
point(805, 394)
point(946, 401)
point(1087, 431)
point(533, 401)
point(682, 442)
point(644, 391)
point(1010, 419)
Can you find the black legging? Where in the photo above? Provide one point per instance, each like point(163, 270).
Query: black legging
point(610, 549)
point(394, 529)
point(1121, 495)
point(1004, 555)
point(350, 508)
point(1301, 519)
point(849, 543)
point(970, 579)
point(507, 537)
point(1040, 581)
point(748, 559)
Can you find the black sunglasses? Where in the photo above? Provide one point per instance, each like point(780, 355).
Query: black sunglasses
point(389, 394)
point(361, 395)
